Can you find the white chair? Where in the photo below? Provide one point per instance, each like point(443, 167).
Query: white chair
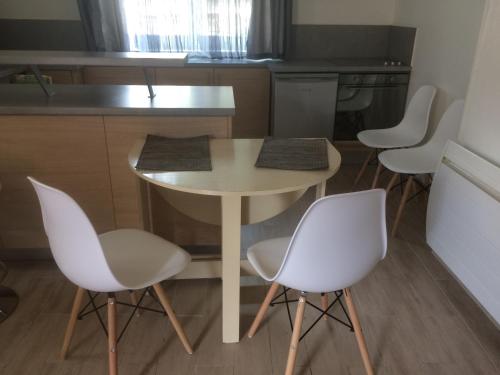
point(421, 160)
point(353, 101)
point(121, 260)
point(409, 132)
point(327, 253)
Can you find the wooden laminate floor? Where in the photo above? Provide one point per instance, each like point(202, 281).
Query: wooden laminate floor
point(416, 318)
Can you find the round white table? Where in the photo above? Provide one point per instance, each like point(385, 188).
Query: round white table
point(247, 195)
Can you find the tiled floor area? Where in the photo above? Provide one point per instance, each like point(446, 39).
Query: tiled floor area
point(416, 318)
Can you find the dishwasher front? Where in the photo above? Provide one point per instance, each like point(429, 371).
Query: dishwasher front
point(304, 105)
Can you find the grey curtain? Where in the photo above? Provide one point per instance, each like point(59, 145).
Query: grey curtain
point(102, 24)
point(269, 28)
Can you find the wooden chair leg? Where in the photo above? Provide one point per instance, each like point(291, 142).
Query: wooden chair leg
point(360, 338)
point(134, 300)
point(363, 169)
point(112, 352)
point(77, 303)
point(392, 182)
point(377, 175)
point(402, 204)
point(324, 304)
point(173, 319)
point(263, 309)
point(297, 328)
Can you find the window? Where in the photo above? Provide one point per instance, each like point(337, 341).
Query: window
point(208, 28)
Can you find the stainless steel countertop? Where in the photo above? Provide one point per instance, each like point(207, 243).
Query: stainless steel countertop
point(132, 100)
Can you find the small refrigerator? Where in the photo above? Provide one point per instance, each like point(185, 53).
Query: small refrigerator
point(304, 105)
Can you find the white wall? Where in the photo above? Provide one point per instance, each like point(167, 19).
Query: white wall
point(447, 34)
point(344, 12)
point(39, 9)
point(329, 12)
point(481, 123)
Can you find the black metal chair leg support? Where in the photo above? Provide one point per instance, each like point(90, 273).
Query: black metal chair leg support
point(375, 158)
point(338, 299)
point(323, 313)
point(340, 294)
point(273, 301)
point(131, 316)
point(330, 315)
point(423, 188)
point(288, 309)
point(83, 311)
point(96, 310)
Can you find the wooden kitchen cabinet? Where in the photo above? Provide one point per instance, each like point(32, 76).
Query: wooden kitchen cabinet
point(251, 89)
point(67, 152)
point(87, 157)
point(184, 76)
point(69, 76)
point(115, 75)
point(252, 97)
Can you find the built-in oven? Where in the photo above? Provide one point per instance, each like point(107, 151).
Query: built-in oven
point(369, 101)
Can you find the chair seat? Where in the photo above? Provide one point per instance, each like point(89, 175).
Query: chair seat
point(267, 256)
point(387, 138)
point(410, 161)
point(139, 259)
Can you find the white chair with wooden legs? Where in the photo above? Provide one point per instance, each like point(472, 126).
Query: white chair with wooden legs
point(409, 132)
point(421, 160)
point(327, 253)
point(120, 260)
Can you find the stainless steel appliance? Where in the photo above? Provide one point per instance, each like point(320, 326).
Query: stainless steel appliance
point(304, 104)
point(369, 101)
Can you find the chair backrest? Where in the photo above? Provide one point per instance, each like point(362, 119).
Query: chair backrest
point(337, 242)
point(352, 99)
point(416, 118)
point(73, 241)
point(448, 126)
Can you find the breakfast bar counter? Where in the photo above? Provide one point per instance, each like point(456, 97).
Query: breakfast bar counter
point(117, 100)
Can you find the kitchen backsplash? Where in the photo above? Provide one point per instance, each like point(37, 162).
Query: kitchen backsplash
point(42, 35)
point(346, 41)
point(305, 42)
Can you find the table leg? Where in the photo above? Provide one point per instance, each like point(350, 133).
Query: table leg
point(144, 204)
point(231, 247)
point(320, 190)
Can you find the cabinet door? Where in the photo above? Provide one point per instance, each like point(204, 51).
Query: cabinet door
point(115, 75)
point(184, 76)
point(68, 153)
point(252, 92)
point(64, 76)
point(304, 107)
point(122, 133)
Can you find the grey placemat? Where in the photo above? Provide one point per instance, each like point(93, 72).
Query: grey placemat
point(175, 154)
point(293, 154)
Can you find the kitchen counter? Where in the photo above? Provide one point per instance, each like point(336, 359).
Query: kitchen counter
point(163, 59)
point(117, 100)
point(56, 59)
point(309, 66)
point(336, 66)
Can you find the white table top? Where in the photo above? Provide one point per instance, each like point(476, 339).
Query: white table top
point(234, 172)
